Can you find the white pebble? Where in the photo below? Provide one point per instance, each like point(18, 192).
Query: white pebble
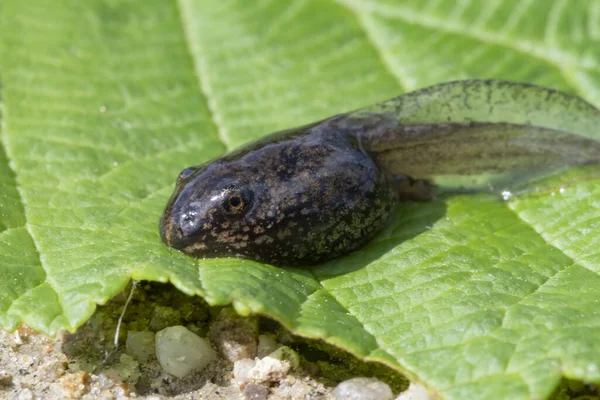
point(234, 336)
point(25, 394)
point(140, 345)
point(242, 369)
point(298, 390)
point(362, 389)
point(180, 351)
point(275, 366)
point(414, 392)
point(266, 345)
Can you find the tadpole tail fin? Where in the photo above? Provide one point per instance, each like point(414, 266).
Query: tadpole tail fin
point(473, 132)
point(477, 155)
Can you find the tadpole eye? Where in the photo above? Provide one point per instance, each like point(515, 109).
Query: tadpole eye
point(236, 201)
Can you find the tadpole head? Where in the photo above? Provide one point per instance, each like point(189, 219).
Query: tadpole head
point(291, 202)
point(205, 204)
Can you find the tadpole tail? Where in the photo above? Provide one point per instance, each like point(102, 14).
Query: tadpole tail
point(472, 132)
point(479, 154)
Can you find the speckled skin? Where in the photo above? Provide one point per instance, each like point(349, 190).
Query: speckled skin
point(309, 195)
point(317, 192)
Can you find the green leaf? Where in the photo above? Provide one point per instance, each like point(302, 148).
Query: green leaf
point(105, 101)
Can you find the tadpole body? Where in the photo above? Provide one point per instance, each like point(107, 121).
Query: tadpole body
point(317, 192)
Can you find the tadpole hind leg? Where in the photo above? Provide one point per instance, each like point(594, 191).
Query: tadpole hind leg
point(408, 188)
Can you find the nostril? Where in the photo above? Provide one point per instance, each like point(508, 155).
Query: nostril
point(186, 173)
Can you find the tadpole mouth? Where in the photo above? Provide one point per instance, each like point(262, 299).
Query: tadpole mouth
point(172, 235)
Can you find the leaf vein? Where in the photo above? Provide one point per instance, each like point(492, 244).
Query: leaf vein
point(561, 60)
point(401, 76)
point(202, 76)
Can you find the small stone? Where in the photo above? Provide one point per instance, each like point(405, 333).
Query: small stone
point(180, 351)
point(266, 345)
point(415, 391)
point(242, 369)
point(6, 380)
point(275, 366)
point(253, 391)
point(362, 389)
point(106, 380)
point(141, 345)
point(25, 394)
point(75, 384)
point(234, 336)
point(297, 389)
point(53, 370)
point(300, 390)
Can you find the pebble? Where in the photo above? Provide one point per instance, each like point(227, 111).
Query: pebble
point(362, 389)
point(253, 391)
point(275, 366)
point(180, 351)
point(242, 369)
point(415, 391)
point(53, 370)
point(272, 368)
point(234, 336)
point(141, 345)
point(6, 380)
point(296, 390)
point(266, 345)
point(75, 384)
point(25, 394)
